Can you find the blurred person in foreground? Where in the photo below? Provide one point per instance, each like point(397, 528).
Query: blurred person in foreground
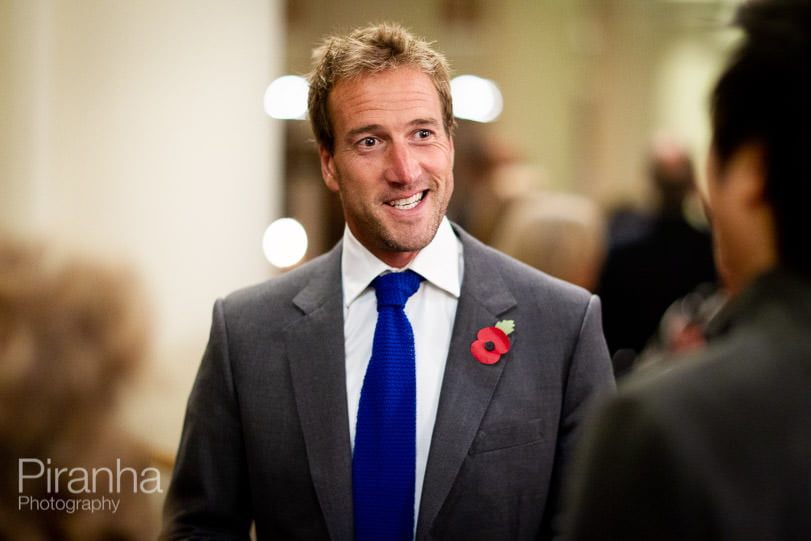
point(271, 435)
point(71, 334)
point(718, 446)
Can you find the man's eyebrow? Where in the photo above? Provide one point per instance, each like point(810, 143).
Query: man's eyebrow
point(424, 122)
point(351, 134)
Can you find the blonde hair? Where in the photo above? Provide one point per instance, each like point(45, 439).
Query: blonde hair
point(71, 333)
point(561, 234)
point(371, 49)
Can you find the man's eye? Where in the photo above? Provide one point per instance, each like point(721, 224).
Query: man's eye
point(423, 134)
point(368, 142)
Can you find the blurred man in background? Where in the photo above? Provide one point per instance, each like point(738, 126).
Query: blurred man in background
point(654, 258)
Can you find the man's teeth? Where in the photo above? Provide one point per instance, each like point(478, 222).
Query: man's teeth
point(408, 203)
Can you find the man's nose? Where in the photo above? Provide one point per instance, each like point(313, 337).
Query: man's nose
point(402, 165)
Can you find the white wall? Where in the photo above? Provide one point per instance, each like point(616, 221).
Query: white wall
point(135, 130)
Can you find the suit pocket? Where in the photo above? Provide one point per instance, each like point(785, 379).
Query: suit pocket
point(495, 438)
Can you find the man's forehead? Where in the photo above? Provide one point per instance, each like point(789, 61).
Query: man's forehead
point(404, 93)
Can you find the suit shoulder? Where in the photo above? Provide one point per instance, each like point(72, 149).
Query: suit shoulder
point(279, 290)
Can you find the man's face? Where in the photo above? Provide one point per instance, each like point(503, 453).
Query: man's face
point(742, 221)
point(718, 214)
point(393, 161)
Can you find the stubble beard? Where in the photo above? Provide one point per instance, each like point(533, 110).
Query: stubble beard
point(403, 239)
point(410, 243)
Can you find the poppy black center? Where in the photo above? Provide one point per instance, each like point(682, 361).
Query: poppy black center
point(489, 346)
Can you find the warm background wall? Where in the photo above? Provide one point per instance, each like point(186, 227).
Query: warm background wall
point(134, 130)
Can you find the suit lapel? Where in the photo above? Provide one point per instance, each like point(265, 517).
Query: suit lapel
point(468, 385)
point(316, 348)
point(315, 344)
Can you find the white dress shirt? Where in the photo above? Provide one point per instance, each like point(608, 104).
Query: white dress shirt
point(431, 311)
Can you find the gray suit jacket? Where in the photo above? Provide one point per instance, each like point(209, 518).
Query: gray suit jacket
point(266, 435)
point(718, 447)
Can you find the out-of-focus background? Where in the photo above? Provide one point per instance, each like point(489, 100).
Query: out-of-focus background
point(136, 130)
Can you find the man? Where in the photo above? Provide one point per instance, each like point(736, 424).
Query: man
point(719, 447)
point(664, 256)
point(275, 413)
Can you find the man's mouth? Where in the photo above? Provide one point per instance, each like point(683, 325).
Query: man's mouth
point(408, 202)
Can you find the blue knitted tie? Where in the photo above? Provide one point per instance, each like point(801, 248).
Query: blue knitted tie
point(385, 440)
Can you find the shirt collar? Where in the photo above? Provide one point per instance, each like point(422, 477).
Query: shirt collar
point(438, 263)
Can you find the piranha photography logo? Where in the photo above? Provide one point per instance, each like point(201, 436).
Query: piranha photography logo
point(42, 486)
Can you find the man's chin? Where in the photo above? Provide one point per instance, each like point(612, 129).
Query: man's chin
point(407, 240)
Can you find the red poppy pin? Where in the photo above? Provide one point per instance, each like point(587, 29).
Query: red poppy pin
point(493, 342)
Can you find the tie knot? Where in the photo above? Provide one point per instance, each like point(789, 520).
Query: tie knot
point(394, 288)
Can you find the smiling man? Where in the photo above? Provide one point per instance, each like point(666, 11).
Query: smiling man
point(389, 127)
point(343, 400)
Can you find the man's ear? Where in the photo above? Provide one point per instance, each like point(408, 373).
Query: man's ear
point(748, 166)
point(328, 171)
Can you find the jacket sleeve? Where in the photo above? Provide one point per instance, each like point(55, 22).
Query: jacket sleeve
point(208, 497)
point(589, 375)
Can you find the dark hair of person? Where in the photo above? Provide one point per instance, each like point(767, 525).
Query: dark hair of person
point(764, 97)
